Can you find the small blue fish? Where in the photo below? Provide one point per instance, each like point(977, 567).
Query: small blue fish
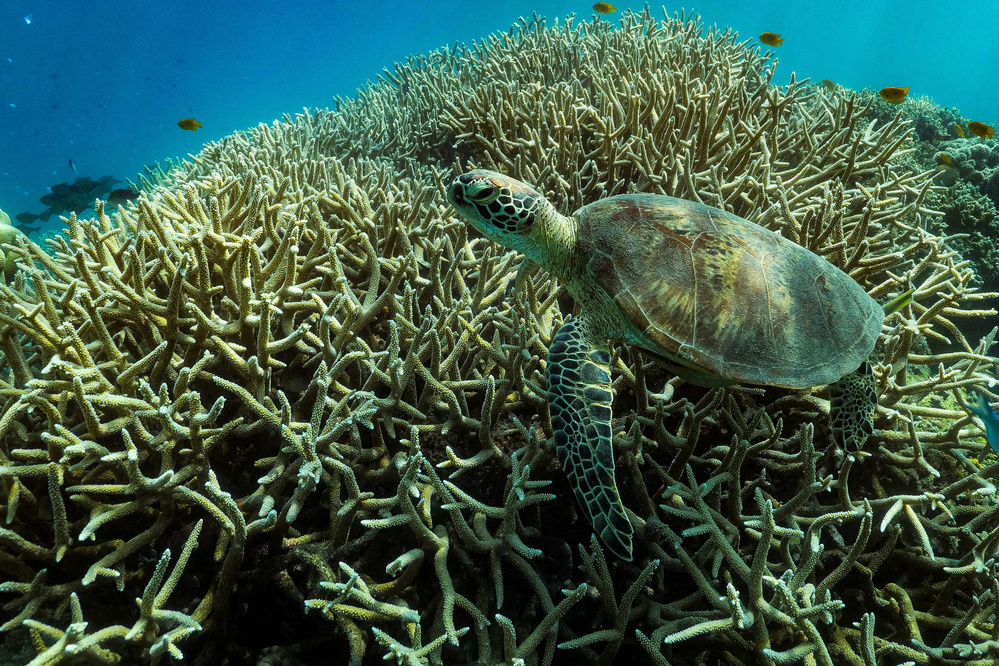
point(991, 420)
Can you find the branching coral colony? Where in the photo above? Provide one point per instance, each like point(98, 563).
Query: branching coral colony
point(288, 367)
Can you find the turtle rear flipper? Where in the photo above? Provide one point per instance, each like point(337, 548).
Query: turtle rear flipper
point(580, 396)
point(853, 403)
point(853, 398)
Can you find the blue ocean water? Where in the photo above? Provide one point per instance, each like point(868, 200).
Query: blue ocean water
point(105, 83)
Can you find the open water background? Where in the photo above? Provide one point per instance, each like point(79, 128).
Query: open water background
point(104, 83)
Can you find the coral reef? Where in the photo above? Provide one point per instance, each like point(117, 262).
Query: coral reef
point(971, 202)
point(930, 122)
point(290, 407)
point(977, 162)
point(967, 166)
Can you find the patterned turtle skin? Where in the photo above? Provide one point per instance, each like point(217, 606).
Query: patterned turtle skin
point(717, 299)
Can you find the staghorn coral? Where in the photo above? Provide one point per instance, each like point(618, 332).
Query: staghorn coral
point(289, 363)
point(186, 301)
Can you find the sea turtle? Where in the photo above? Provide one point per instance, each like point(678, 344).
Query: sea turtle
point(715, 298)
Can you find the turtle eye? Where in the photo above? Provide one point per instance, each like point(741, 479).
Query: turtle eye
point(482, 194)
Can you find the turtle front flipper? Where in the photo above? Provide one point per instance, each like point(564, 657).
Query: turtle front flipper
point(853, 402)
point(580, 396)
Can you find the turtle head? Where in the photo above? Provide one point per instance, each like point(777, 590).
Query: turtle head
point(503, 209)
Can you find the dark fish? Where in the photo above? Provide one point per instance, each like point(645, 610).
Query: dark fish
point(76, 196)
point(72, 166)
point(28, 218)
point(119, 197)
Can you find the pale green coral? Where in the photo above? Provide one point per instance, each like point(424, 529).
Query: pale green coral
point(8, 235)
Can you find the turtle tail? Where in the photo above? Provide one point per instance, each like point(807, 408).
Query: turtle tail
point(580, 396)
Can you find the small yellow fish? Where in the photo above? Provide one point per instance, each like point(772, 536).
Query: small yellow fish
point(604, 8)
point(981, 129)
point(959, 130)
point(189, 124)
point(894, 95)
point(771, 39)
point(946, 159)
point(828, 85)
